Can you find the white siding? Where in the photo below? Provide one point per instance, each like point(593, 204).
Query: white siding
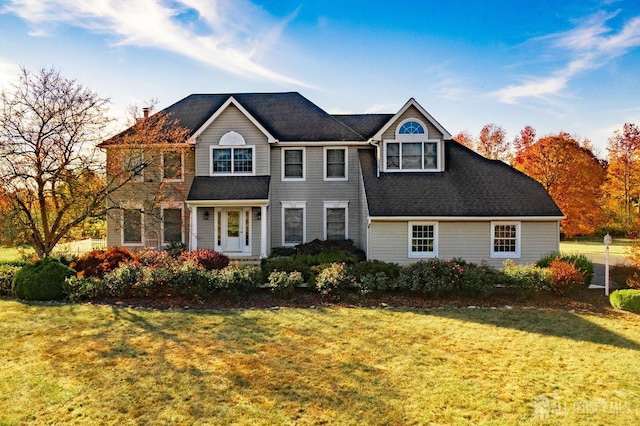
point(470, 241)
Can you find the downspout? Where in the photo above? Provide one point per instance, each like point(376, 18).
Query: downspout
point(378, 155)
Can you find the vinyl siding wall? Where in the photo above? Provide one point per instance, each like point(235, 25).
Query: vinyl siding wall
point(232, 119)
point(315, 191)
point(468, 240)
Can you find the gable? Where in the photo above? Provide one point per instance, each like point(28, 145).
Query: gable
point(412, 113)
point(416, 111)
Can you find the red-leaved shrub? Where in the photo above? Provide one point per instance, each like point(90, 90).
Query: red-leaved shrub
point(565, 276)
point(97, 263)
point(205, 258)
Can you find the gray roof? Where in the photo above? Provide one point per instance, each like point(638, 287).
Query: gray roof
point(365, 124)
point(212, 188)
point(286, 116)
point(471, 185)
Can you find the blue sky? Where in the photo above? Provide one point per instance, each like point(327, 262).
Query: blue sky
point(555, 65)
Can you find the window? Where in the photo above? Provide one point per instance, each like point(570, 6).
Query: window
point(293, 222)
point(505, 239)
point(134, 163)
point(412, 155)
point(132, 227)
point(412, 150)
point(171, 225)
point(423, 239)
point(172, 165)
point(232, 160)
point(293, 164)
point(335, 219)
point(335, 163)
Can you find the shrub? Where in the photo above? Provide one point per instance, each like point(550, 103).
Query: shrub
point(334, 279)
point(207, 259)
point(375, 275)
point(125, 281)
point(564, 276)
point(283, 251)
point(42, 280)
point(190, 280)
point(433, 277)
point(97, 263)
point(176, 248)
point(627, 300)
point(527, 276)
point(7, 274)
point(238, 279)
point(478, 280)
point(323, 246)
point(77, 288)
point(285, 283)
point(325, 258)
point(581, 262)
point(285, 264)
point(626, 275)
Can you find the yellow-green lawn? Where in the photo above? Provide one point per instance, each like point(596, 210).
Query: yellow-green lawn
point(83, 364)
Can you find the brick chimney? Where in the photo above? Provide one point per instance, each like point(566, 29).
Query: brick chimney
point(145, 112)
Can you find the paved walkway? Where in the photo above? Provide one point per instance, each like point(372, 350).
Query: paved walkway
point(598, 260)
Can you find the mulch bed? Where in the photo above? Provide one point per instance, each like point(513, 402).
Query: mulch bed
point(580, 301)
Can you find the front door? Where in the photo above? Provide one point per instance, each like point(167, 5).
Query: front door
point(232, 230)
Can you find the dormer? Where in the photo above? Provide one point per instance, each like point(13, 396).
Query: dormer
point(411, 141)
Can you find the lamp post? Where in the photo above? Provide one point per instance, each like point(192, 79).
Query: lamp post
point(607, 243)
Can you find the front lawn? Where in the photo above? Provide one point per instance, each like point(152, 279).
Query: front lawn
point(110, 365)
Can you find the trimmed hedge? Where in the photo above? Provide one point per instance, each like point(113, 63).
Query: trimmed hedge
point(42, 280)
point(627, 300)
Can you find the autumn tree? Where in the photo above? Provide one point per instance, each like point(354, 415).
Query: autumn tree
point(52, 177)
point(465, 139)
point(492, 143)
point(572, 175)
point(522, 142)
point(622, 185)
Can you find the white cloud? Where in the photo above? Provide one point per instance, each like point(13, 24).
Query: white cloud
point(589, 46)
point(9, 72)
point(227, 34)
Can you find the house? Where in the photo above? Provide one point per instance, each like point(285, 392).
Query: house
point(263, 170)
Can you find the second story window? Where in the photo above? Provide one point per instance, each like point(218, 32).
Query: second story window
point(412, 150)
point(172, 165)
point(232, 160)
point(134, 164)
point(335, 163)
point(293, 163)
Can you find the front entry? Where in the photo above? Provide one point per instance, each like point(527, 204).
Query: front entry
point(233, 230)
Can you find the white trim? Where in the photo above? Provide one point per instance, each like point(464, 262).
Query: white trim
point(232, 138)
point(336, 205)
point(304, 164)
point(181, 179)
point(122, 225)
point(263, 231)
point(170, 206)
point(228, 203)
point(422, 255)
point(220, 110)
point(232, 148)
point(419, 137)
point(346, 164)
point(323, 143)
point(466, 218)
point(243, 232)
point(412, 102)
point(193, 224)
point(506, 255)
point(294, 205)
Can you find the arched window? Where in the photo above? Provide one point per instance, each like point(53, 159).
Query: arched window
point(411, 128)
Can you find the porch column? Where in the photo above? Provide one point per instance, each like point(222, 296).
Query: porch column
point(263, 231)
point(193, 234)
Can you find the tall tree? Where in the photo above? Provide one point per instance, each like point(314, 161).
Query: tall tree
point(52, 176)
point(622, 186)
point(523, 141)
point(493, 143)
point(465, 139)
point(572, 175)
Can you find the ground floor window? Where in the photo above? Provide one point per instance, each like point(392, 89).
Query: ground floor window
point(335, 220)
point(132, 226)
point(423, 239)
point(293, 222)
point(505, 239)
point(171, 225)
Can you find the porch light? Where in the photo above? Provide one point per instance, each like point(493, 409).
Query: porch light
point(607, 243)
point(206, 215)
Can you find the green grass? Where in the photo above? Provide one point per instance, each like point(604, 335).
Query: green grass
point(9, 254)
point(85, 364)
point(595, 246)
